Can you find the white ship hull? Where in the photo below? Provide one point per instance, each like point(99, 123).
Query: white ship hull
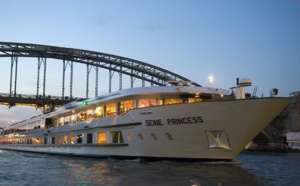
point(216, 130)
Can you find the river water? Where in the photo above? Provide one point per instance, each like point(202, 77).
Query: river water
point(247, 169)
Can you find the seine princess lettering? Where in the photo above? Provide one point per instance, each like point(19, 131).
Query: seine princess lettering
point(187, 120)
point(175, 121)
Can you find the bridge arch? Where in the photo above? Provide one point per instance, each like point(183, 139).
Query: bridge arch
point(93, 60)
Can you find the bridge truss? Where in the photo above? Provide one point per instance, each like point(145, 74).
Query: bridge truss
point(154, 75)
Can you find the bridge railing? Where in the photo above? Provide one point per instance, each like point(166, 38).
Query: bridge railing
point(32, 96)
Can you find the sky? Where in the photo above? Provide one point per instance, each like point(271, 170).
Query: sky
point(227, 39)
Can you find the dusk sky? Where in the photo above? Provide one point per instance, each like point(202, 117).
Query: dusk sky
point(227, 39)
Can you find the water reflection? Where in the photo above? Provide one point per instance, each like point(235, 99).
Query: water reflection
point(91, 171)
point(19, 168)
point(115, 172)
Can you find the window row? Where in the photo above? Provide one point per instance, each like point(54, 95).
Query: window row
point(108, 110)
point(112, 109)
point(86, 138)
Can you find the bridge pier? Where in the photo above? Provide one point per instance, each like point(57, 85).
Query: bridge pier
point(41, 60)
point(120, 78)
point(65, 65)
point(88, 70)
point(111, 73)
point(14, 61)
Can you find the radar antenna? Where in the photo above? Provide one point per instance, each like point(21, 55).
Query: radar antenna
point(254, 91)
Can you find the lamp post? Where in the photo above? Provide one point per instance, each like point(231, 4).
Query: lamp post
point(210, 80)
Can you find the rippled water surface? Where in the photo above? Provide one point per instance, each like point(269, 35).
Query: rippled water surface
point(249, 168)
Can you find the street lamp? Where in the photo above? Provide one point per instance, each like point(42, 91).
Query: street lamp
point(210, 80)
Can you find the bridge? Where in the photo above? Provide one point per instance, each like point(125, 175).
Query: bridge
point(134, 69)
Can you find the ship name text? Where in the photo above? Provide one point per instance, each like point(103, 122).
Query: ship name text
point(175, 121)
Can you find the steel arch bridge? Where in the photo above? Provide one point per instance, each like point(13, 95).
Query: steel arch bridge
point(93, 60)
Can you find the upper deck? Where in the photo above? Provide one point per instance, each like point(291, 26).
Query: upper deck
point(118, 103)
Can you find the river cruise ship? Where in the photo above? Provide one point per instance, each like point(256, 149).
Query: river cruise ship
point(160, 122)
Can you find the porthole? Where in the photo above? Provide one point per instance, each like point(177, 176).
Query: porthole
point(153, 136)
point(129, 138)
point(140, 136)
point(169, 136)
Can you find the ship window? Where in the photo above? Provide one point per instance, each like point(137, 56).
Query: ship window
point(192, 100)
point(90, 138)
point(74, 118)
point(79, 138)
point(111, 110)
point(146, 103)
point(71, 139)
point(53, 140)
point(140, 136)
point(45, 140)
point(89, 115)
point(58, 139)
point(172, 101)
point(153, 136)
point(61, 121)
point(81, 117)
point(64, 139)
point(160, 102)
point(55, 121)
point(67, 120)
point(101, 137)
point(34, 141)
point(129, 137)
point(99, 112)
point(49, 123)
point(169, 136)
point(116, 137)
point(125, 106)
